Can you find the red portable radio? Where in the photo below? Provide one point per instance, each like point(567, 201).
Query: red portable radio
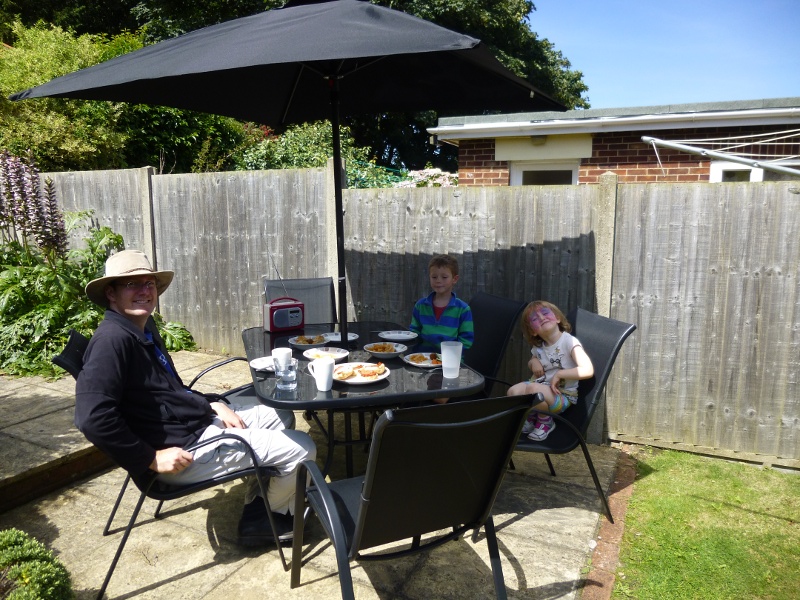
point(283, 314)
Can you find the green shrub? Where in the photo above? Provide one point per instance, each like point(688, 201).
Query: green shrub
point(29, 571)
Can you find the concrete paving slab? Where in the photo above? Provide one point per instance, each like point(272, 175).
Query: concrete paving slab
point(22, 403)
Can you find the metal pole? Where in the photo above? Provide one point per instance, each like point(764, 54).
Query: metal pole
point(333, 82)
point(721, 155)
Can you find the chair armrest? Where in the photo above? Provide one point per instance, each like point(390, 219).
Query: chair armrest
point(331, 520)
point(490, 381)
point(215, 366)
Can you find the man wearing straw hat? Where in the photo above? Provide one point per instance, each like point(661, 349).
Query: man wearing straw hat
point(132, 405)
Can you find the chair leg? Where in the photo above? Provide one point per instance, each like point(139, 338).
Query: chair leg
point(550, 464)
point(121, 543)
point(494, 559)
point(597, 485)
point(116, 505)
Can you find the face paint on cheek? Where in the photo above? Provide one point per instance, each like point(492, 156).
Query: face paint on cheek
point(541, 316)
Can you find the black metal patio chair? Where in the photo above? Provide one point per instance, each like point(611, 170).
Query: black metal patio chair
point(602, 338)
point(71, 360)
point(430, 469)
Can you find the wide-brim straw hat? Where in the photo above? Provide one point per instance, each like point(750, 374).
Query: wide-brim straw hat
point(125, 264)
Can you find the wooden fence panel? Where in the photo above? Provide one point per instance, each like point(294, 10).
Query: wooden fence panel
point(217, 230)
point(709, 273)
point(119, 199)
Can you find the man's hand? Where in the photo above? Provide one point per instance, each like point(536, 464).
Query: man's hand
point(171, 460)
point(227, 416)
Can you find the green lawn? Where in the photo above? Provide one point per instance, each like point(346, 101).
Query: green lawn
point(705, 528)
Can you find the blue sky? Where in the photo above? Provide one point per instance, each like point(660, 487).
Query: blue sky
point(651, 52)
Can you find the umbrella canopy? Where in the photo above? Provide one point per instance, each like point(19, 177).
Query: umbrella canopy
point(309, 61)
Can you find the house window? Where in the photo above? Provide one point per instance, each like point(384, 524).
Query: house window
point(544, 173)
point(726, 172)
point(729, 172)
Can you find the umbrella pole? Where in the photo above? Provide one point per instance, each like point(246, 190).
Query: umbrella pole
point(333, 82)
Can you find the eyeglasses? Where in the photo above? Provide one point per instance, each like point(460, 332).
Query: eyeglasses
point(138, 285)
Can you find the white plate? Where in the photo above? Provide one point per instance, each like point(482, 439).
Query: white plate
point(262, 364)
point(336, 354)
point(357, 379)
point(398, 335)
point(426, 364)
point(294, 341)
point(398, 350)
point(337, 337)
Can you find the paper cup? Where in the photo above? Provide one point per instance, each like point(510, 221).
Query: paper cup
point(451, 359)
point(280, 356)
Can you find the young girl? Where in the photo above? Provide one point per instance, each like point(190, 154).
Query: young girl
point(558, 362)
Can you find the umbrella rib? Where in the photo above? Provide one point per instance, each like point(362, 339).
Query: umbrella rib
point(291, 96)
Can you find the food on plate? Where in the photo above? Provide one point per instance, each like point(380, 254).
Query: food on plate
point(371, 371)
point(304, 339)
point(343, 372)
point(435, 359)
point(320, 354)
point(418, 358)
point(381, 347)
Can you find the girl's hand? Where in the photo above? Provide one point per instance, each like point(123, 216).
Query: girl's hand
point(227, 416)
point(535, 365)
point(554, 383)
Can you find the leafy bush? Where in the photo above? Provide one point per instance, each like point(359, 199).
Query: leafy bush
point(41, 282)
point(29, 571)
point(308, 146)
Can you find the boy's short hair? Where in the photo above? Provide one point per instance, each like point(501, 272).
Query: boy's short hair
point(446, 261)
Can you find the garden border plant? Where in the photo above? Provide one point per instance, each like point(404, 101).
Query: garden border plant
point(42, 281)
point(29, 571)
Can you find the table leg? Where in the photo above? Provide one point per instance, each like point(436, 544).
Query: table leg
point(348, 438)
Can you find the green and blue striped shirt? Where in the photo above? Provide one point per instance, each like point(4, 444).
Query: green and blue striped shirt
point(455, 324)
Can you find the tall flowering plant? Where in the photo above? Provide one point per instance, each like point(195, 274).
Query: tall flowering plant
point(28, 213)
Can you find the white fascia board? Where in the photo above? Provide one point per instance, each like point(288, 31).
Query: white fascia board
point(470, 131)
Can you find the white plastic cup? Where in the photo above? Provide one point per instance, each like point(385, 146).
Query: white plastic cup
point(280, 356)
point(287, 375)
point(451, 359)
point(321, 370)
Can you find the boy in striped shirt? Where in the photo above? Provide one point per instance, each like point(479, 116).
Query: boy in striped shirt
point(442, 316)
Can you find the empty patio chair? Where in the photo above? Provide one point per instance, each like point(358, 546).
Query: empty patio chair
point(317, 295)
point(425, 473)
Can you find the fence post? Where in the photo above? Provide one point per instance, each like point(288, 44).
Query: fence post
point(604, 218)
point(148, 214)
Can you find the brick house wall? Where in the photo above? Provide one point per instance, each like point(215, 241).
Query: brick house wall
point(622, 152)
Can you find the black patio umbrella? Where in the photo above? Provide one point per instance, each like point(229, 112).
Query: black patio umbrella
point(306, 61)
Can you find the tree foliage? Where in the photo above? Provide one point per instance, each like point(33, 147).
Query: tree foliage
point(62, 134)
point(86, 135)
